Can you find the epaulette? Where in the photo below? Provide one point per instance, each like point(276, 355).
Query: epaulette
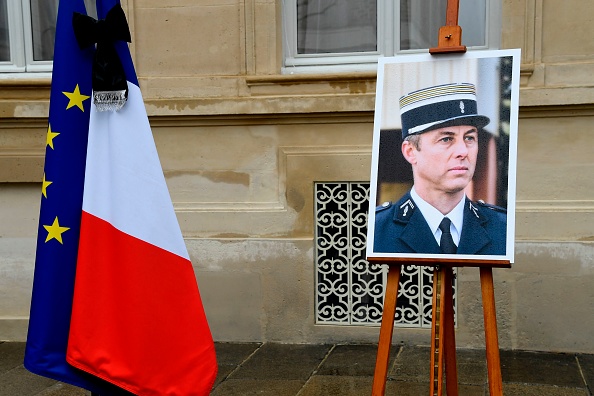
point(384, 206)
point(492, 207)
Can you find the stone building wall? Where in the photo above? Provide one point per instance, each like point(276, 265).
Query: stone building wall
point(242, 145)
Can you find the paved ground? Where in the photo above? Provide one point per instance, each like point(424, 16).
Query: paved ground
point(343, 370)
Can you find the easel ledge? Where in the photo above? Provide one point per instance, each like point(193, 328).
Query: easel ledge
point(445, 262)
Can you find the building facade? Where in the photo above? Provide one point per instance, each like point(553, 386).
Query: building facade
point(259, 145)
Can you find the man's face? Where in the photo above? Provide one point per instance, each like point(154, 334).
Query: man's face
point(446, 159)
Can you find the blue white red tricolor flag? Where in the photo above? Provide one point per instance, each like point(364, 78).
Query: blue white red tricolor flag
point(115, 306)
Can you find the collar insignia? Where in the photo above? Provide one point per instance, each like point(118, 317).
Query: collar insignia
point(473, 209)
point(405, 207)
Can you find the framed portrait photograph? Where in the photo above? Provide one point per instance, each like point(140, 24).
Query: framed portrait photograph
point(443, 173)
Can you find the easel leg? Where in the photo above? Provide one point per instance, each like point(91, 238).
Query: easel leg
point(491, 341)
point(449, 334)
point(443, 346)
point(435, 370)
point(386, 330)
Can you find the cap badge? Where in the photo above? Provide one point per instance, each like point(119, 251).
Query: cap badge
point(461, 107)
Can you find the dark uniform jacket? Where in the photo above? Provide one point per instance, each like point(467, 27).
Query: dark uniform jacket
point(401, 228)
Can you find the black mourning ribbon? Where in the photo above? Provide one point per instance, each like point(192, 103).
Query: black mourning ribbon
point(446, 243)
point(109, 78)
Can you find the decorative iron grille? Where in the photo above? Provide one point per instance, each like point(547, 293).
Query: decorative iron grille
point(349, 290)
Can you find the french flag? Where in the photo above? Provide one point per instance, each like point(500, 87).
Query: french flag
point(137, 319)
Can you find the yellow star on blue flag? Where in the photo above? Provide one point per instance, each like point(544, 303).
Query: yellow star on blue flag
point(44, 185)
point(55, 231)
point(49, 139)
point(75, 98)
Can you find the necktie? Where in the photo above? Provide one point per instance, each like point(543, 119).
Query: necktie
point(446, 243)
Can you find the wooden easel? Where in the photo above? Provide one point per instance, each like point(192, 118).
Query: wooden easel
point(443, 339)
point(443, 345)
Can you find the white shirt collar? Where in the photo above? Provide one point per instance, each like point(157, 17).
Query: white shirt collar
point(433, 216)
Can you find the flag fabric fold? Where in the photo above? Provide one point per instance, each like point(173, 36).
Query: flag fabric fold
point(115, 306)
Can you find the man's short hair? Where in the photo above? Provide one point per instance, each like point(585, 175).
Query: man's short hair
point(415, 140)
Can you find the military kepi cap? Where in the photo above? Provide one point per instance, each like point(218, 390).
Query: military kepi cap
point(438, 107)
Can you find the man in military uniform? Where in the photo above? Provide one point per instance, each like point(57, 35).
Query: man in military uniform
point(440, 140)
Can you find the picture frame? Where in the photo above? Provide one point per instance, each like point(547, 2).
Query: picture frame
point(416, 93)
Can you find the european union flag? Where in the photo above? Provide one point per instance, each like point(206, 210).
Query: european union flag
point(61, 207)
point(106, 222)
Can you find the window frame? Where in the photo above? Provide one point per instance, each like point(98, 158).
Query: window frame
point(388, 39)
point(21, 42)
